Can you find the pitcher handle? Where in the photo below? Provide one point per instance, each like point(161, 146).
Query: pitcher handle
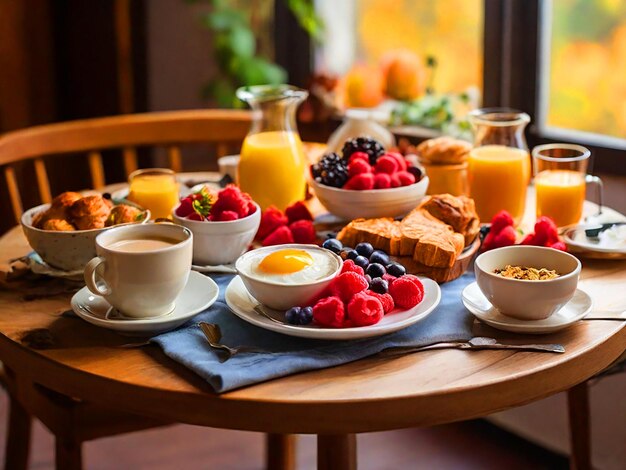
point(90, 277)
point(599, 190)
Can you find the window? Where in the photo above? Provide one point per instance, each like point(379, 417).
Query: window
point(582, 89)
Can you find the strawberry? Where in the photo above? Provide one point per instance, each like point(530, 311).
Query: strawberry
point(364, 309)
point(386, 164)
point(546, 231)
point(559, 246)
point(528, 239)
point(201, 203)
point(298, 211)
point(224, 216)
point(395, 181)
point(500, 220)
point(360, 182)
point(358, 166)
point(185, 208)
point(402, 164)
point(195, 216)
point(303, 231)
point(271, 219)
point(406, 178)
point(281, 236)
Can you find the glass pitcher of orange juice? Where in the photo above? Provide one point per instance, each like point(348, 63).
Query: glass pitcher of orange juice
point(499, 163)
point(272, 166)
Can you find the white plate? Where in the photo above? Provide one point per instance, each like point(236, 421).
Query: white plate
point(242, 304)
point(576, 237)
point(198, 294)
point(476, 302)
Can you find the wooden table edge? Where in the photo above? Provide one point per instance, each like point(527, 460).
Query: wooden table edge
point(315, 417)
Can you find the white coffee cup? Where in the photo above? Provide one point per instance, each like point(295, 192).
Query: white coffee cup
point(141, 269)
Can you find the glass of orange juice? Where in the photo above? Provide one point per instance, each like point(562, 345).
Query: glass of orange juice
point(155, 189)
point(272, 167)
point(499, 163)
point(560, 181)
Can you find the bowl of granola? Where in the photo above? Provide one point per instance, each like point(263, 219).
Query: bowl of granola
point(527, 282)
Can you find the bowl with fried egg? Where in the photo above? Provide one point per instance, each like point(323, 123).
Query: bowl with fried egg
point(63, 232)
point(283, 276)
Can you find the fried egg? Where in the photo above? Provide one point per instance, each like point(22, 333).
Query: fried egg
point(291, 265)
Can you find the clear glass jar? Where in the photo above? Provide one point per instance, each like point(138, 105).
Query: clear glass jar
point(499, 164)
point(361, 122)
point(272, 165)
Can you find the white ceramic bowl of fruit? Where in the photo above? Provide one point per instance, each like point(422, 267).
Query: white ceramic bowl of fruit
point(389, 188)
point(219, 237)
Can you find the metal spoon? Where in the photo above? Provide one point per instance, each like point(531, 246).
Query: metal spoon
point(213, 335)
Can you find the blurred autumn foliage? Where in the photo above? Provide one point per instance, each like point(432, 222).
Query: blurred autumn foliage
point(587, 87)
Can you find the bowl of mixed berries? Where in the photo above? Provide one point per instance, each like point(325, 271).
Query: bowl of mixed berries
point(223, 223)
point(367, 181)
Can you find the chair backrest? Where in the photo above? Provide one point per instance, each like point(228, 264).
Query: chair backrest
point(221, 128)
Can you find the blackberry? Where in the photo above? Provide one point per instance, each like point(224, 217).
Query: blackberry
point(415, 171)
point(371, 147)
point(331, 170)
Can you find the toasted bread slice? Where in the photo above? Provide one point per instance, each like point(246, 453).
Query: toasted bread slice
point(428, 240)
point(381, 233)
point(458, 212)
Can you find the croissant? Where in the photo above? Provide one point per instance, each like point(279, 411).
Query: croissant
point(90, 212)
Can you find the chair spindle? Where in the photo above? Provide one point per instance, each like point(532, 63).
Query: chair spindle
point(14, 192)
point(175, 158)
point(43, 183)
point(97, 169)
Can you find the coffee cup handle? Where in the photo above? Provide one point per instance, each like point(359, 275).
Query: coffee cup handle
point(90, 277)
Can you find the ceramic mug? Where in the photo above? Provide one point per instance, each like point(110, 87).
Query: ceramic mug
point(141, 269)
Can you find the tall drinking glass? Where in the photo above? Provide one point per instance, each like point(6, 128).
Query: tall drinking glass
point(272, 165)
point(560, 181)
point(155, 189)
point(499, 164)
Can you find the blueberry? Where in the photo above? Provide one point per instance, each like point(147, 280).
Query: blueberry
point(361, 261)
point(415, 171)
point(333, 245)
point(379, 285)
point(306, 315)
point(364, 249)
point(293, 315)
point(344, 253)
point(352, 254)
point(396, 269)
point(376, 270)
point(379, 257)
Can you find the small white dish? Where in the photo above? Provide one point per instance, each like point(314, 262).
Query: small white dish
point(199, 293)
point(576, 309)
point(242, 304)
point(575, 237)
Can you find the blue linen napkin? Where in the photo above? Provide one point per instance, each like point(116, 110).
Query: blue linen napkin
point(187, 345)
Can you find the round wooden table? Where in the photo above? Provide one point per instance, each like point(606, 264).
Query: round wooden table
point(374, 394)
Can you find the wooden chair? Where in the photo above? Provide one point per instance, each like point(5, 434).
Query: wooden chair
point(74, 422)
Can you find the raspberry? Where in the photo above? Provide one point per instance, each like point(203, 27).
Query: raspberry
point(389, 278)
point(298, 211)
point(281, 236)
point(249, 202)
point(349, 266)
point(406, 178)
point(224, 216)
point(546, 231)
point(271, 219)
point(357, 167)
point(329, 312)
point(360, 182)
point(382, 181)
point(364, 310)
point(185, 208)
point(386, 164)
point(402, 164)
point(195, 216)
point(395, 181)
point(500, 220)
point(303, 231)
point(231, 199)
point(359, 156)
point(406, 292)
point(347, 284)
point(415, 280)
point(528, 239)
point(385, 299)
point(506, 237)
point(559, 246)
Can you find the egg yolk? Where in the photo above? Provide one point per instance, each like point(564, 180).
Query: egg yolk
point(285, 262)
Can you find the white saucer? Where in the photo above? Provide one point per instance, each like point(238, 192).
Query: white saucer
point(576, 238)
point(198, 294)
point(242, 304)
point(476, 302)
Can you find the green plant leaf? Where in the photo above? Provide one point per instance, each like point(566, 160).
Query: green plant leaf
point(222, 90)
point(258, 71)
point(222, 20)
point(308, 19)
point(242, 42)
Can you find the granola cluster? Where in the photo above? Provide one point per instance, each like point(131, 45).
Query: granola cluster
point(527, 274)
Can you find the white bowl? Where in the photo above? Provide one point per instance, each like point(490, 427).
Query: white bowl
point(351, 204)
point(284, 296)
point(527, 300)
point(216, 243)
point(68, 251)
